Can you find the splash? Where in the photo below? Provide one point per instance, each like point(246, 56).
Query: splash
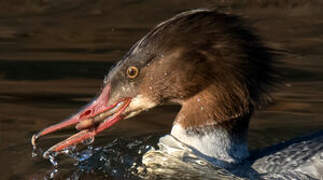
point(119, 159)
point(137, 158)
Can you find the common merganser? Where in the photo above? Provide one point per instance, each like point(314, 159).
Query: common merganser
point(219, 72)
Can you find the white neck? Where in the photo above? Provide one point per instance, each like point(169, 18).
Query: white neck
point(217, 146)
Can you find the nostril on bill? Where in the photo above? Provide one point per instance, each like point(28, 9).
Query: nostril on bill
point(86, 113)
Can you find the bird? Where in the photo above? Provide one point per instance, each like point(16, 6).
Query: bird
point(219, 71)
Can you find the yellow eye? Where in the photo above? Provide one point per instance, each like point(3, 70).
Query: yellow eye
point(132, 72)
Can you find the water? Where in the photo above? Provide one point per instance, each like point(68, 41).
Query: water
point(54, 55)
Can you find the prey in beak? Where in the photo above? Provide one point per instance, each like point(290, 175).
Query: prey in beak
point(96, 117)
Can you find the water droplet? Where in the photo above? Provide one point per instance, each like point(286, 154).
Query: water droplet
point(102, 158)
point(198, 99)
point(66, 151)
point(84, 155)
point(88, 141)
point(51, 158)
point(36, 151)
point(165, 73)
point(33, 154)
point(98, 148)
point(52, 174)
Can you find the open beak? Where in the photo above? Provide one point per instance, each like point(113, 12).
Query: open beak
point(95, 118)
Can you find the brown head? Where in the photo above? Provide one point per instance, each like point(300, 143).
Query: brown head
point(204, 60)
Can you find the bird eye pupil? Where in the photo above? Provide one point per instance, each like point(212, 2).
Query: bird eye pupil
point(132, 72)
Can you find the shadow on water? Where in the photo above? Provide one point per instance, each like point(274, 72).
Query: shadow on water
point(54, 55)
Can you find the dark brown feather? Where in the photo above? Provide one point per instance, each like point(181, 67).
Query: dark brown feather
point(209, 56)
